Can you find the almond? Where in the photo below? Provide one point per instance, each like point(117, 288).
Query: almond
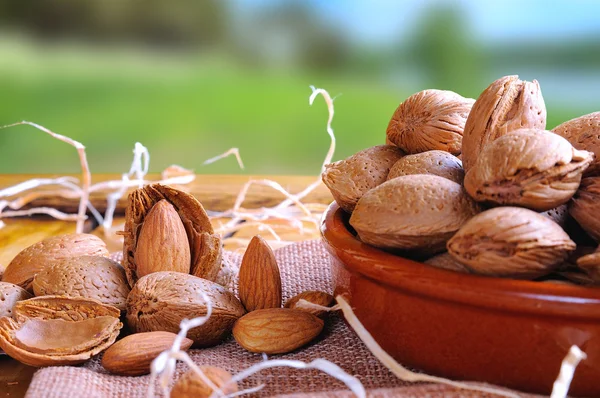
point(428, 120)
point(349, 179)
point(133, 355)
point(161, 300)
point(584, 133)
point(438, 163)
point(506, 105)
point(10, 294)
point(312, 296)
point(447, 262)
point(276, 330)
point(585, 206)
point(162, 244)
point(259, 279)
point(31, 260)
point(190, 385)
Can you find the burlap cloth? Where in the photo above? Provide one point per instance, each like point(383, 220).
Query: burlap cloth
point(304, 266)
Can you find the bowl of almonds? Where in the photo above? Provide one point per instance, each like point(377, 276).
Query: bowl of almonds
point(468, 244)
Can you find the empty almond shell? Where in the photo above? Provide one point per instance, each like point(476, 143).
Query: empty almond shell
point(413, 212)
point(10, 294)
point(349, 179)
point(584, 133)
point(51, 330)
point(505, 105)
point(435, 162)
point(531, 168)
point(511, 242)
point(428, 120)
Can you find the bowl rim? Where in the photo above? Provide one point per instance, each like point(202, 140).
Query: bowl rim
point(492, 293)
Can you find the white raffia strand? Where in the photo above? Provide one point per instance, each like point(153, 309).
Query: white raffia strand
point(398, 370)
point(567, 369)
point(85, 170)
point(231, 151)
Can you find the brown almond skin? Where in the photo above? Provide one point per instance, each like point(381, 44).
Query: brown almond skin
point(584, 133)
point(349, 179)
point(530, 168)
point(416, 212)
point(10, 294)
point(505, 105)
point(31, 260)
point(190, 385)
point(438, 163)
point(312, 296)
point(259, 279)
point(511, 242)
point(429, 120)
point(276, 330)
point(585, 206)
point(94, 277)
point(133, 354)
point(161, 300)
point(162, 243)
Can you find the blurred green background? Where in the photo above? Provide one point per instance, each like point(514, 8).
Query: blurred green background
point(190, 79)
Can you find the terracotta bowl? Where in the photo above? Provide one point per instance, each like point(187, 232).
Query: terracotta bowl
point(511, 333)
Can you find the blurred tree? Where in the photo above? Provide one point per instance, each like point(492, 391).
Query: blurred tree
point(444, 50)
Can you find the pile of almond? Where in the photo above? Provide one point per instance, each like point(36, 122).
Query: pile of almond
point(480, 186)
point(63, 300)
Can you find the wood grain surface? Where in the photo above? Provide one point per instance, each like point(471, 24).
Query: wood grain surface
point(215, 192)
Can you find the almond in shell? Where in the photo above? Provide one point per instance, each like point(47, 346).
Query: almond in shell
point(584, 133)
point(161, 300)
point(585, 206)
point(438, 163)
point(276, 330)
point(31, 260)
point(259, 279)
point(133, 354)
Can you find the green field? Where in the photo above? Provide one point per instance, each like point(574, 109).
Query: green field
point(184, 109)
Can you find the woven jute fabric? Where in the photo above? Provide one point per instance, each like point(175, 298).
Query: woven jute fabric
point(304, 266)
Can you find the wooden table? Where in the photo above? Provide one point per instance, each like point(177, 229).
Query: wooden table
point(216, 192)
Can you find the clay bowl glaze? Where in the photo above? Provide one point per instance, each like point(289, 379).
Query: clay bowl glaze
point(507, 332)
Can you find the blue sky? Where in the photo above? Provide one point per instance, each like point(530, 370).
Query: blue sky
point(382, 21)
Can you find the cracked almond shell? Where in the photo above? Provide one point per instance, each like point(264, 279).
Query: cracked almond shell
point(161, 300)
point(435, 162)
point(505, 105)
point(349, 179)
point(31, 260)
point(205, 245)
point(10, 294)
point(53, 330)
point(584, 133)
point(429, 120)
point(511, 242)
point(93, 277)
point(530, 168)
point(414, 212)
point(585, 206)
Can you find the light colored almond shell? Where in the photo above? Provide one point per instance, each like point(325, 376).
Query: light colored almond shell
point(205, 262)
point(190, 385)
point(276, 330)
point(161, 300)
point(585, 206)
point(10, 294)
point(530, 168)
point(447, 262)
point(86, 276)
point(31, 260)
point(51, 330)
point(429, 120)
point(312, 296)
point(435, 162)
point(511, 242)
point(584, 133)
point(133, 354)
point(590, 264)
point(506, 105)
point(349, 179)
point(259, 279)
point(414, 212)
